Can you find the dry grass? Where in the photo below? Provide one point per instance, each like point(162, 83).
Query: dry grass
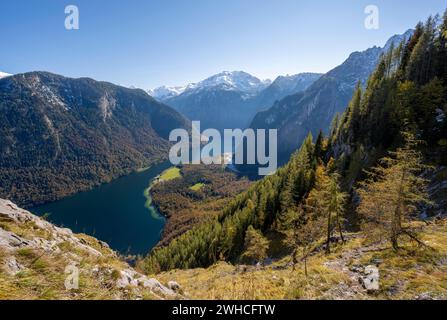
point(43, 275)
point(404, 275)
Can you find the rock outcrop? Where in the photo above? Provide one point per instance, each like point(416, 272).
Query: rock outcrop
point(36, 258)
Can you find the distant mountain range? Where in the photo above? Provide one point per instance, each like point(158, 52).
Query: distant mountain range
point(230, 99)
point(295, 105)
point(313, 109)
point(60, 135)
point(229, 81)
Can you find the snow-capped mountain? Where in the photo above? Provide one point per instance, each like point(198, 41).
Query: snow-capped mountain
point(235, 80)
point(163, 93)
point(231, 99)
point(223, 101)
point(226, 80)
point(4, 75)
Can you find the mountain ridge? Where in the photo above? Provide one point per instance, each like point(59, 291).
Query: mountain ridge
point(314, 109)
point(230, 99)
point(226, 80)
point(74, 134)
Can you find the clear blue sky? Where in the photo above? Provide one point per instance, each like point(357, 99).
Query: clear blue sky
point(147, 43)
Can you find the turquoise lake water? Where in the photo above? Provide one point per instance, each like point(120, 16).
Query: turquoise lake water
point(113, 212)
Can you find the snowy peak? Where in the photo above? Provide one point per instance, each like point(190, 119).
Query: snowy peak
point(234, 81)
point(4, 75)
point(164, 92)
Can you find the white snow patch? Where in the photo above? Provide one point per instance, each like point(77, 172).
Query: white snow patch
point(4, 75)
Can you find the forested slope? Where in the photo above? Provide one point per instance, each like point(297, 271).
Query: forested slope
point(60, 135)
point(324, 189)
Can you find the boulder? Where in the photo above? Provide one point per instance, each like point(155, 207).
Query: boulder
point(370, 279)
point(155, 286)
point(174, 286)
point(127, 279)
point(12, 266)
point(425, 296)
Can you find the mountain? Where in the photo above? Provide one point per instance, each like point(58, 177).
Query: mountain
point(284, 86)
point(4, 75)
point(222, 101)
point(366, 199)
point(60, 135)
point(309, 111)
point(230, 99)
point(164, 93)
point(231, 81)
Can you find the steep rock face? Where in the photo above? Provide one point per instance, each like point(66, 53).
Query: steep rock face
point(60, 135)
point(313, 110)
point(284, 86)
point(36, 259)
point(215, 108)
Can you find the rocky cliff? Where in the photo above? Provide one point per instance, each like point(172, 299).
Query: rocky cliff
point(41, 261)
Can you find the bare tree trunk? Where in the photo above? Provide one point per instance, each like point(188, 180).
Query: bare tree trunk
point(397, 219)
point(328, 241)
point(340, 230)
point(294, 259)
point(394, 241)
point(305, 265)
point(395, 230)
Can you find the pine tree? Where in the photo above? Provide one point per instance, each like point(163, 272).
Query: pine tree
point(256, 246)
point(391, 193)
point(302, 230)
point(412, 42)
point(319, 146)
point(327, 200)
point(441, 45)
point(334, 127)
point(337, 202)
point(421, 65)
point(354, 110)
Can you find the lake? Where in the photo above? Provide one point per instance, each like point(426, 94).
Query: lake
point(115, 213)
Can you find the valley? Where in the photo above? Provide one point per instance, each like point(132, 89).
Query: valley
point(60, 136)
point(356, 209)
point(230, 100)
point(372, 180)
point(196, 193)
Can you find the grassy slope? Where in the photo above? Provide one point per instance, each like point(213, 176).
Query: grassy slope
point(408, 274)
point(44, 277)
point(42, 268)
point(411, 273)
